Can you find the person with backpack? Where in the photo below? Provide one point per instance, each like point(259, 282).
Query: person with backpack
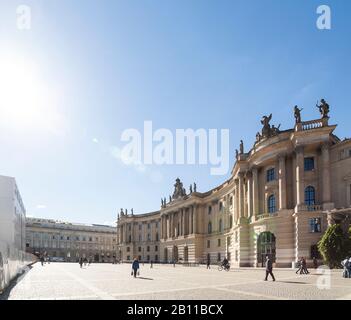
point(135, 267)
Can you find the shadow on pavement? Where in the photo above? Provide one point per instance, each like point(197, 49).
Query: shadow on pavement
point(143, 278)
point(5, 295)
point(295, 282)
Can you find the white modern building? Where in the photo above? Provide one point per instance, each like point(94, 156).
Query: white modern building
point(12, 231)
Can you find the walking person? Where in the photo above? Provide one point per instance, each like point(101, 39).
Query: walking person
point(269, 268)
point(42, 259)
point(151, 264)
point(346, 264)
point(304, 266)
point(299, 263)
point(208, 264)
point(81, 262)
point(135, 267)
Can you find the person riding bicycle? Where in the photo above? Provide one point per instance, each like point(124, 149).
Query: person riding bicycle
point(225, 263)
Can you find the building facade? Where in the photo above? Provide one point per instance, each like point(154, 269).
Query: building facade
point(280, 198)
point(70, 241)
point(13, 257)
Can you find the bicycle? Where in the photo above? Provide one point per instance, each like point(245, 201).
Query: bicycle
point(222, 267)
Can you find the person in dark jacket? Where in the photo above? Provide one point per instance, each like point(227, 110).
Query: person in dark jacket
point(81, 262)
point(269, 269)
point(208, 264)
point(304, 266)
point(135, 267)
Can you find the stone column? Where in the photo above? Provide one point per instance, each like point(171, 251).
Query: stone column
point(191, 227)
point(282, 182)
point(255, 200)
point(161, 227)
point(326, 173)
point(241, 194)
point(299, 176)
point(183, 221)
point(194, 220)
point(236, 201)
point(171, 220)
point(249, 194)
point(125, 232)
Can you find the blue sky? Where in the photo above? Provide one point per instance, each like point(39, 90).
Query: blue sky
point(105, 66)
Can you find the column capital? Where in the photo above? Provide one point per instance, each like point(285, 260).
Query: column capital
point(299, 149)
point(325, 146)
point(281, 157)
point(248, 174)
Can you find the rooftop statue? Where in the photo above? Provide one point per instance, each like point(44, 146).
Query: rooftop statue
point(191, 189)
point(258, 137)
point(297, 114)
point(194, 187)
point(179, 191)
point(266, 130)
point(241, 147)
point(323, 108)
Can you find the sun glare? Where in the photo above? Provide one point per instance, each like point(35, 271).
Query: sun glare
point(26, 102)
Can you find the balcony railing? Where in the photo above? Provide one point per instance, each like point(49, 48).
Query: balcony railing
point(313, 207)
point(313, 124)
point(266, 215)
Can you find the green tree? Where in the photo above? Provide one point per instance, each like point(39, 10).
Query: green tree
point(335, 245)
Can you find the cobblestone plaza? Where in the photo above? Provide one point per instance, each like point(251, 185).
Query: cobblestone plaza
point(65, 281)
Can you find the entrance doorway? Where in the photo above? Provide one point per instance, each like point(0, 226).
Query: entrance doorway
point(265, 247)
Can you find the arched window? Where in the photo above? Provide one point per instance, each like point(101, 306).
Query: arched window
point(220, 225)
point(310, 196)
point(209, 227)
point(271, 204)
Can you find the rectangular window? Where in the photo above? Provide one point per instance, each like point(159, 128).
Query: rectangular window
point(219, 242)
point(148, 225)
point(309, 164)
point(315, 225)
point(139, 226)
point(156, 248)
point(208, 244)
point(128, 249)
point(270, 175)
point(139, 249)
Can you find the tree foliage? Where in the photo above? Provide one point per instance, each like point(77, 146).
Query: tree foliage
point(335, 245)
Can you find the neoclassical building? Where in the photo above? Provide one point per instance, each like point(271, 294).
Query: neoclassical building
point(281, 196)
point(70, 241)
